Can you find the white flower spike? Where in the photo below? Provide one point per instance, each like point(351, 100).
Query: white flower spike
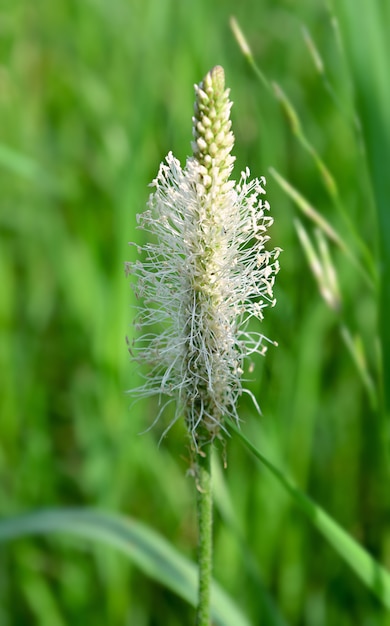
point(205, 273)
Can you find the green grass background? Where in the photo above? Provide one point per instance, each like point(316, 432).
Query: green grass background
point(92, 97)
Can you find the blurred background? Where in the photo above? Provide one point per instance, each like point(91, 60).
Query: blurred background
point(92, 97)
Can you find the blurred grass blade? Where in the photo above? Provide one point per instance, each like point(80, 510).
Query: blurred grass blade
point(356, 349)
point(369, 64)
point(373, 575)
point(146, 549)
point(313, 50)
point(321, 266)
point(26, 168)
point(297, 130)
point(310, 212)
point(247, 52)
point(329, 269)
point(320, 67)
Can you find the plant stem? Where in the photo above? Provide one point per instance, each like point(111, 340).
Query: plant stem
point(205, 520)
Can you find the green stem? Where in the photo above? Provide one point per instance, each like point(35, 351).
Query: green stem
point(205, 522)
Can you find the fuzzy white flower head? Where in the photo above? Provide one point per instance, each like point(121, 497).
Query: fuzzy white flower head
point(205, 274)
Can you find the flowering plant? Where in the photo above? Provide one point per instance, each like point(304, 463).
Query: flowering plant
point(206, 273)
point(203, 277)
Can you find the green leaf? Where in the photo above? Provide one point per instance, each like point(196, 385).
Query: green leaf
point(373, 575)
point(146, 549)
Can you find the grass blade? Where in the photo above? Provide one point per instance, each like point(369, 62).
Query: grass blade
point(370, 74)
point(310, 212)
point(372, 574)
point(27, 168)
point(146, 549)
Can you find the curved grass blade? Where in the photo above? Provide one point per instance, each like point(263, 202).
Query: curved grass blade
point(373, 575)
point(146, 549)
point(310, 212)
